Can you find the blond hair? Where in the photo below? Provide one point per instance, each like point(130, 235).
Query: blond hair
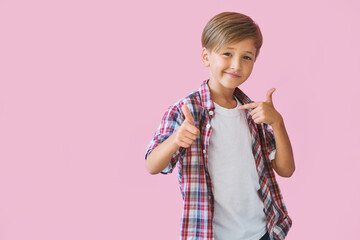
point(230, 27)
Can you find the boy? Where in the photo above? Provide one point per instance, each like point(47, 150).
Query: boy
point(223, 145)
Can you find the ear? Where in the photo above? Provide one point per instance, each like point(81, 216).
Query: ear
point(205, 57)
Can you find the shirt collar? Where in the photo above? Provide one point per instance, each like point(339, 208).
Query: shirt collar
point(207, 102)
point(205, 96)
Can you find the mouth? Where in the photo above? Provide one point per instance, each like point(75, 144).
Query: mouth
point(232, 75)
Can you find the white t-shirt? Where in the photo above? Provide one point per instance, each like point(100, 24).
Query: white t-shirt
point(238, 209)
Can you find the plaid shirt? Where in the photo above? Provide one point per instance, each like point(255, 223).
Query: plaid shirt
point(193, 175)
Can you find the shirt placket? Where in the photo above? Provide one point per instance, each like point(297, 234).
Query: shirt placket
point(207, 132)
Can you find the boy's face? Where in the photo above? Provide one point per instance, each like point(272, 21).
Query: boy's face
point(232, 65)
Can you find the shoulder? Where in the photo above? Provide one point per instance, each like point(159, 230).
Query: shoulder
point(192, 100)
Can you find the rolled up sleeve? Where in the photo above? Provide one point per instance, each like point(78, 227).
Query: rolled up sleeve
point(270, 141)
point(170, 122)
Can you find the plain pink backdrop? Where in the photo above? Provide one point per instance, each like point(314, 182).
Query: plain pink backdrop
point(84, 84)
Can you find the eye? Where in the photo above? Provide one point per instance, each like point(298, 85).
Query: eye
point(247, 58)
point(227, 54)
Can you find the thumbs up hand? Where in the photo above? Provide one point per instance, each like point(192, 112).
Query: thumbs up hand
point(264, 112)
point(187, 133)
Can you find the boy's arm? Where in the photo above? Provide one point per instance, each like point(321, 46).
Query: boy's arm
point(161, 155)
point(283, 164)
point(265, 112)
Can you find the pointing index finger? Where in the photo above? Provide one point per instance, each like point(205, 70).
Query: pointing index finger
point(248, 106)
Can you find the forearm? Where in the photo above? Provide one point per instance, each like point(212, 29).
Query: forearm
point(283, 163)
point(160, 156)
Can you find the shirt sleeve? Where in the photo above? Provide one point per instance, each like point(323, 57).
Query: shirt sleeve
point(170, 122)
point(270, 141)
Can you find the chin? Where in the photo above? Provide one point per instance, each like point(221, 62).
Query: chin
point(232, 83)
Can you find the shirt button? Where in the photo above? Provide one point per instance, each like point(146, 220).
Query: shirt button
point(208, 125)
point(211, 113)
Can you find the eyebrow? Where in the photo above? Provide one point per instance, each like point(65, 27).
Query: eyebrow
point(245, 51)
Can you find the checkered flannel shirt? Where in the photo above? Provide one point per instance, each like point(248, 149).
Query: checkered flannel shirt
point(193, 175)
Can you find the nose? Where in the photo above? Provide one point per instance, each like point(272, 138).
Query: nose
point(236, 65)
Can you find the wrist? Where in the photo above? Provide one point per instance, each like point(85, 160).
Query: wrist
point(173, 142)
point(278, 124)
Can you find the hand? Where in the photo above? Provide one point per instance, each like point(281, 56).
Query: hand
point(264, 112)
point(187, 133)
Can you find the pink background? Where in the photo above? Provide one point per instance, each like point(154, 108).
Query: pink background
point(84, 84)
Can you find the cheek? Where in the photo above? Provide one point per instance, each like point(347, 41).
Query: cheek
point(222, 66)
point(249, 68)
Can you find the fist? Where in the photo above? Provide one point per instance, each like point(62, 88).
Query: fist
point(187, 133)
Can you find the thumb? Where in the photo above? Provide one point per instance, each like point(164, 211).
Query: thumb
point(269, 95)
point(187, 113)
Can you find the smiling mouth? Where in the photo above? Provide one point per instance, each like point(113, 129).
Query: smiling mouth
point(233, 75)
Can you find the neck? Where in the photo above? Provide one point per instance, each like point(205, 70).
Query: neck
point(222, 96)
